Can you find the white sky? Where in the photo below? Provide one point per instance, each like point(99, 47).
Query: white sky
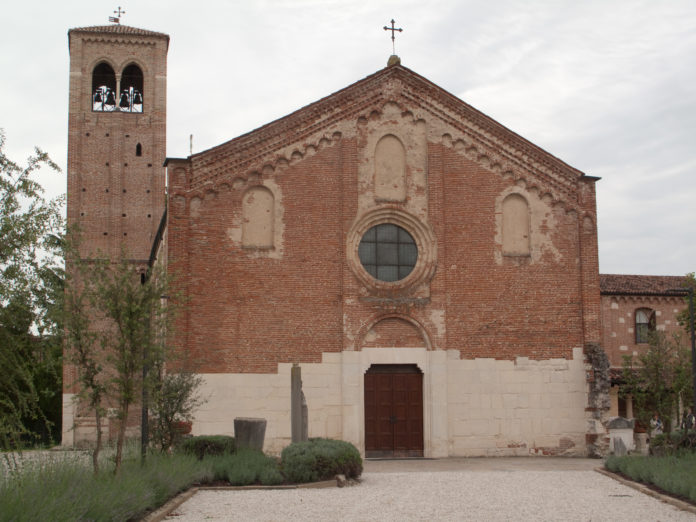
point(608, 86)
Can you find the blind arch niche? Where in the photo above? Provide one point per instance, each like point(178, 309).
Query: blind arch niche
point(516, 230)
point(258, 215)
point(390, 169)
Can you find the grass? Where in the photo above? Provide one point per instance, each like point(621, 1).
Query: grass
point(45, 486)
point(675, 474)
point(68, 490)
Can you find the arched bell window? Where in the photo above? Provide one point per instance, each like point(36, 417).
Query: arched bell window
point(131, 97)
point(103, 88)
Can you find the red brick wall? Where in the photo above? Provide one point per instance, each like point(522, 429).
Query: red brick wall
point(618, 328)
point(247, 313)
point(115, 197)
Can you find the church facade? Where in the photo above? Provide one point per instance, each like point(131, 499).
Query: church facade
point(434, 274)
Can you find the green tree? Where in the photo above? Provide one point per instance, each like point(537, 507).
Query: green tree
point(116, 328)
point(659, 378)
point(173, 401)
point(83, 351)
point(30, 290)
point(684, 316)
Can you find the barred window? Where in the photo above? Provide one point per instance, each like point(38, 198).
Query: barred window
point(388, 252)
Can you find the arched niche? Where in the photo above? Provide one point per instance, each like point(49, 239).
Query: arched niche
point(131, 97)
point(516, 226)
point(390, 169)
point(103, 88)
point(394, 332)
point(258, 214)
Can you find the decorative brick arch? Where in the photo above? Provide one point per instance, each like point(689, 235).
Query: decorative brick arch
point(378, 318)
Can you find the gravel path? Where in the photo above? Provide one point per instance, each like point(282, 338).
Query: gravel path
point(448, 495)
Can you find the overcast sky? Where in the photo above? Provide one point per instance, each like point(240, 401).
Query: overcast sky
point(607, 86)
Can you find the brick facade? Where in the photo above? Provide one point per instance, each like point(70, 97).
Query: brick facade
point(303, 297)
point(501, 311)
point(300, 294)
point(622, 296)
point(116, 177)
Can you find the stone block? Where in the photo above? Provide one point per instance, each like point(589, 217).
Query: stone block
point(249, 432)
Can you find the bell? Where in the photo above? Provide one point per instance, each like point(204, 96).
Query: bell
point(124, 100)
point(110, 100)
point(97, 96)
point(137, 98)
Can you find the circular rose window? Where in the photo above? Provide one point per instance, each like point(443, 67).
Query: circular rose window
point(388, 252)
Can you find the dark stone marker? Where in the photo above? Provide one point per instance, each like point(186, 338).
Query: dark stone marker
point(298, 406)
point(249, 432)
point(619, 447)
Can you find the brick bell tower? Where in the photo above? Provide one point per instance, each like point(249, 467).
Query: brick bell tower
point(117, 138)
point(116, 150)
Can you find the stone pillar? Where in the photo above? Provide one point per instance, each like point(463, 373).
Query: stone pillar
point(298, 405)
point(641, 442)
point(629, 407)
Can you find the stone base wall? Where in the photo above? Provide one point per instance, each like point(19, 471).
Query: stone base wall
point(479, 407)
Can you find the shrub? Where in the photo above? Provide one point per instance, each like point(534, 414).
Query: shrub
point(669, 443)
point(672, 473)
point(204, 445)
point(245, 467)
point(320, 459)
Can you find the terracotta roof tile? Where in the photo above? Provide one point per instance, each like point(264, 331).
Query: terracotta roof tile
point(639, 284)
point(117, 29)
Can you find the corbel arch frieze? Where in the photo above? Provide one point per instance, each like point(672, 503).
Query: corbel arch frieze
point(395, 105)
point(492, 135)
point(118, 41)
point(327, 137)
point(264, 167)
point(510, 171)
point(647, 299)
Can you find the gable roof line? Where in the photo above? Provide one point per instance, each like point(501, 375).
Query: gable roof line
point(488, 121)
point(117, 29)
point(629, 284)
point(273, 134)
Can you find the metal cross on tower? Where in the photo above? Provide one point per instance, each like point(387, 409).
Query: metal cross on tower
point(393, 30)
point(117, 19)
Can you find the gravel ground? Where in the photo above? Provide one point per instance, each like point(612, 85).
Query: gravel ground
point(444, 495)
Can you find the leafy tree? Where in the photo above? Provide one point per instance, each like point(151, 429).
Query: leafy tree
point(659, 378)
point(684, 319)
point(173, 401)
point(116, 325)
point(83, 350)
point(30, 290)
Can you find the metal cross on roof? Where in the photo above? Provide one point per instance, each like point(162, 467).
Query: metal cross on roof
point(393, 30)
point(117, 19)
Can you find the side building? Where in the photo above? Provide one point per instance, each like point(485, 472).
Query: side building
point(632, 307)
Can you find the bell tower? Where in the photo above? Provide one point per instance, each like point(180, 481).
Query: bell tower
point(116, 150)
point(117, 138)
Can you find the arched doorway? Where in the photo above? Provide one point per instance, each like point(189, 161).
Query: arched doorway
point(394, 411)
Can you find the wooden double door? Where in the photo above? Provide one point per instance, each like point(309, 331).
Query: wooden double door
point(394, 411)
